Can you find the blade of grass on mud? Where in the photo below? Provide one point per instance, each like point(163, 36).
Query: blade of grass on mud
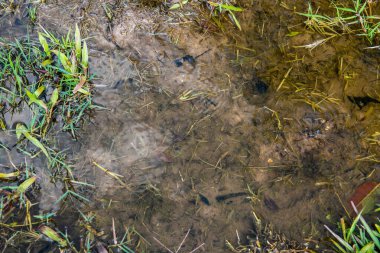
point(34, 99)
point(78, 43)
point(54, 97)
point(40, 85)
point(53, 235)
point(9, 176)
point(44, 44)
point(351, 18)
point(22, 130)
point(22, 188)
point(178, 5)
point(66, 63)
point(85, 57)
point(112, 174)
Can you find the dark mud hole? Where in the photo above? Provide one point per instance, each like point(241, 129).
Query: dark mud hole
point(189, 140)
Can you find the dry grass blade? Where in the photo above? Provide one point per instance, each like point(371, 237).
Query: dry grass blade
point(283, 80)
point(180, 245)
point(112, 174)
point(315, 44)
point(53, 235)
point(25, 185)
point(80, 84)
point(9, 176)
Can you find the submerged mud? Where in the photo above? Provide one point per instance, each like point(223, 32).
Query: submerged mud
point(199, 145)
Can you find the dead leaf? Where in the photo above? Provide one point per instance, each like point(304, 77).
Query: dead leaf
point(365, 196)
point(80, 84)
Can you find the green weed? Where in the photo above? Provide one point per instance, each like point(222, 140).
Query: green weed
point(32, 14)
point(221, 7)
point(359, 237)
point(49, 80)
point(48, 83)
point(356, 18)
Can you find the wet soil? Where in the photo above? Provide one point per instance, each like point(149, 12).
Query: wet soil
point(189, 139)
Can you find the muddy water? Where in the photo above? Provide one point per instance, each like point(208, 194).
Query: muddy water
point(188, 141)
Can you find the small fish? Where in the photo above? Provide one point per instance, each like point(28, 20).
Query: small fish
point(224, 197)
point(270, 204)
point(362, 101)
point(188, 58)
point(203, 199)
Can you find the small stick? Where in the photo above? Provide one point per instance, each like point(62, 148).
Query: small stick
point(197, 248)
point(162, 245)
point(114, 231)
point(184, 239)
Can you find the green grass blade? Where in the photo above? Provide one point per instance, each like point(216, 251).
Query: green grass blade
point(369, 231)
point(369, 248)
point(85, 55)
point(346, 9)
point(353, 227)
point(25, 185)
point(22, 130)
point(33, 99)
point(64, 60)
point(340, 239)
point(44, 44)
point(337, 245)
point(53, 235)
point(78, 48)
point(231, 7)
point(235, 20)
point(54, 97)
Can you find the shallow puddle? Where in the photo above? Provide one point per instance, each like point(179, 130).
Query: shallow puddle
point(200, 128)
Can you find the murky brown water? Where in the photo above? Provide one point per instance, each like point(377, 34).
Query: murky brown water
point(190, 140)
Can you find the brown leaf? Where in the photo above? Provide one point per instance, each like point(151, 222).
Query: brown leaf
point(80, 84)
point(363, 194)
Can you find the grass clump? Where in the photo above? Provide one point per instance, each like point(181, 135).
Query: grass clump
point(218, 10)
point(359, 237)
point(357, 17)
point(264, 239)
point(45, 85)
point(47, 80)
